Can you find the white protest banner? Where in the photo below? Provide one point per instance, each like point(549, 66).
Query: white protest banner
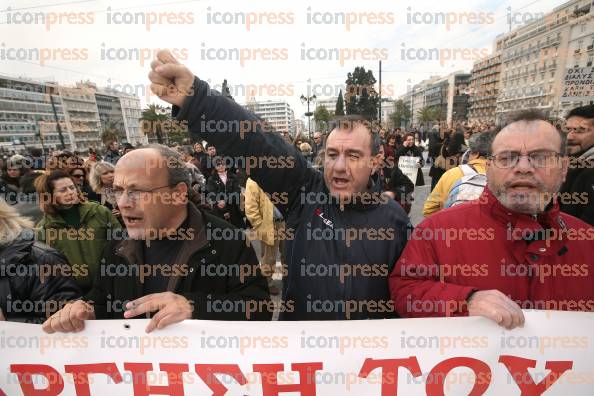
point(409, 166)
point(552, 354)
point(578, 84)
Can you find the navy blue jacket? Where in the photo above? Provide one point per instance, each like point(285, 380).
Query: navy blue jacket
point(317, 247)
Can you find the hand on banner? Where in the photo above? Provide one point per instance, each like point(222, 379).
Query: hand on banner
point(496, 306)
point(71, 318)
point(172, 308)
point(170, 80)
point(2, 318)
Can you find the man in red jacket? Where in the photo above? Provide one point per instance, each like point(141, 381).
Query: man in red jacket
point(511, 249)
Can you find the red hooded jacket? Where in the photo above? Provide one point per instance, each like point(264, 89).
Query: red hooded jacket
point(482, 245)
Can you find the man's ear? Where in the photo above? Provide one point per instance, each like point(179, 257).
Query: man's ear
point(181, 190)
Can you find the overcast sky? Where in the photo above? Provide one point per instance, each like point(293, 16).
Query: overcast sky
point(288, 48)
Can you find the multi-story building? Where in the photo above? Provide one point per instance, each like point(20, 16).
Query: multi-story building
point(28, 118)
point(484, 88)
point(82, 116)
point(387, 108)
point(417, 97)
point(534, 58)
point(276, 112)
point(446, 96)
point(328, 103)
point(131, 111)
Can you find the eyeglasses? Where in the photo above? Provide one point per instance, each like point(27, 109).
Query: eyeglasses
point(538, 159)
point(78, 175)
point(134, 194)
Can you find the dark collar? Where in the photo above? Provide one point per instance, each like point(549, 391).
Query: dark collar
point(131, 249)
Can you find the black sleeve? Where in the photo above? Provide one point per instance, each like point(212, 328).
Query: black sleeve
point(247, 294)
point(270, 161)
point(399, 182)
point(211, 189)
point(50, 289)
point(585, 185)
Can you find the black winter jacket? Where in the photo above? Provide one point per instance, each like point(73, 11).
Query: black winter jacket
point(577, 192)
point(207, 273)
point(31, 281)
point(338, 259)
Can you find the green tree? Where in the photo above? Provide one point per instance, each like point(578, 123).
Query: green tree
point(361, 97)
point(426, 115)
point(339, 105)
point(109, 134)
point(322, 116)
point(152, 120)
point(401, 114)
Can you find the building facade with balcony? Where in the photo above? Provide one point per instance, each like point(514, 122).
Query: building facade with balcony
point(534, 58)
point(484, 89)
point(27, 116)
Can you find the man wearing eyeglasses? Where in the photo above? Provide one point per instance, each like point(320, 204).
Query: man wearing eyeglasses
point(511, 249)
point(577, 192)
point(171, 266)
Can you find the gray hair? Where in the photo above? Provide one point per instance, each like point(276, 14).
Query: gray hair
point(186, 150)
point(95, 175)
point(177, 169)
point(480, 143)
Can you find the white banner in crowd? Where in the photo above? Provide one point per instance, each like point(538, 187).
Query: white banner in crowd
point(578, 83)
point(552, 355)
point(409, 166)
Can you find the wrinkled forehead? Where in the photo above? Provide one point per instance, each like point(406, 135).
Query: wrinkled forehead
point(527, 136)
point(141, 167)
point(356, 138)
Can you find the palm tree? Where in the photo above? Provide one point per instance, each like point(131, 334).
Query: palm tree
point(426, 115)
point(152, 119)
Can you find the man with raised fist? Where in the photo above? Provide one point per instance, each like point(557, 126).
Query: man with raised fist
point(346, 234)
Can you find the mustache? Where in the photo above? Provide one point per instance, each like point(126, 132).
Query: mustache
point(529, 182)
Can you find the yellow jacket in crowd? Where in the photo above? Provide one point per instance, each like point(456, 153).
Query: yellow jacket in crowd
point(439, 195)
point(259, 211)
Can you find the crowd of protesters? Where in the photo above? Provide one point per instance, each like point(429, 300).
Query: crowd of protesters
point(517, 195)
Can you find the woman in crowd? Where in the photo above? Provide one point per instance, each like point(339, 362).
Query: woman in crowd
point(409, 149)
point(307, 152)
point(79, 175)
point(21, 259)
point(199, 157)
point(76, 228)
point(438, 137)
point(101, 181)
point(390, 149)
point(454, 149)
point(223, 192)
point(10, 182)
